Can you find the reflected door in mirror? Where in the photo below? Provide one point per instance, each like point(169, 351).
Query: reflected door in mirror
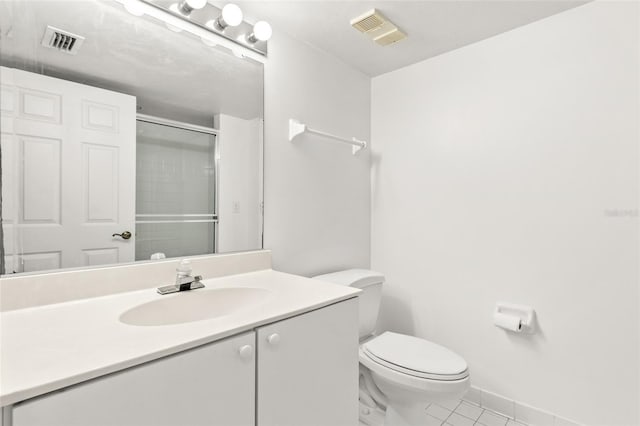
point(68, 160)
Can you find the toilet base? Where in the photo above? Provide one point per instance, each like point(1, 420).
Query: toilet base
point(371, 416)
point(408, 415)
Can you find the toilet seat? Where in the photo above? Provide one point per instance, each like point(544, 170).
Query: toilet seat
point(415, 357)
point(442, 388)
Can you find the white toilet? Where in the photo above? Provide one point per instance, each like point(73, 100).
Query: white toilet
point(403, 373)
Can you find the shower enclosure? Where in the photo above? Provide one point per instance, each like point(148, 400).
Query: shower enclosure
point(176, 189)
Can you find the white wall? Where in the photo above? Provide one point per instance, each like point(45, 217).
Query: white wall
point(240, 195)
point(317, 205)
point(508, 171)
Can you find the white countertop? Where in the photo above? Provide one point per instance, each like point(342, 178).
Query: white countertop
point(54, 346)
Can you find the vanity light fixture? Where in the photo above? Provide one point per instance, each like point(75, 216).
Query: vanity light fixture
point(261, 32)
point(227, 31)
point(187, 6)
point(231, 16)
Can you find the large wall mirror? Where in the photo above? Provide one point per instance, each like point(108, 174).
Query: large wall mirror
point(143, 143)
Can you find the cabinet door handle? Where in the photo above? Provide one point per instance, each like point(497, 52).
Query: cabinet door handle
point(273, 339)
point(246, 352)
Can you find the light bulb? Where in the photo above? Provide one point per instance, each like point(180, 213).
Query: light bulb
point(185, 7)
point(261, 31)
point(134, 7)
point(196, 4)
point(231, 16)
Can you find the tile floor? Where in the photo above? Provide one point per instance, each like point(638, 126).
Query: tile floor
point(463, 413)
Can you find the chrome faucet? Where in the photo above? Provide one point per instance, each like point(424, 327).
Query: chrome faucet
point(184, 280)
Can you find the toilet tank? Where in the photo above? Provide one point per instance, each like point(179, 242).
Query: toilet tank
point(370, 282)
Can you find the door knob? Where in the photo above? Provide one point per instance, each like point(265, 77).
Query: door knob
point(246, 352)
point(274, 339)
point(125, 235)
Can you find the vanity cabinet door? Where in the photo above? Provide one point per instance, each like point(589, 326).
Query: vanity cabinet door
point(213, 385)
point(308, 369)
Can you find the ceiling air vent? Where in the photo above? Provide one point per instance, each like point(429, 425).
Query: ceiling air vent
point(378, 28)
point(369, 21)
point(61, 40)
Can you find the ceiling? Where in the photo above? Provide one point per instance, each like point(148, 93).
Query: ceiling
point(433, 27)
point(173, 75)
point(178, 77)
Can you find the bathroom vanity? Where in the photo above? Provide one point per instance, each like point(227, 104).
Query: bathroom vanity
point(285, 356)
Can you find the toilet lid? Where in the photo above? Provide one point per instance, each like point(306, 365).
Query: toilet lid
point(416, 356)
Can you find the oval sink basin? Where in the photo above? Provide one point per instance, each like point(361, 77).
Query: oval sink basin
point(195, 305)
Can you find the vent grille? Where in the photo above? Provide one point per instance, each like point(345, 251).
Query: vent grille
point(369, 21)
point(61, 40)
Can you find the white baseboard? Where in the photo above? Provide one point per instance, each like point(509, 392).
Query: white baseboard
point(515, 410)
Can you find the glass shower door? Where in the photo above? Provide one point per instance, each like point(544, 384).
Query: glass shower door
point(176, 190)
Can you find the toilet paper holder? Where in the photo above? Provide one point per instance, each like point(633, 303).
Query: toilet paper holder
point(516, 318)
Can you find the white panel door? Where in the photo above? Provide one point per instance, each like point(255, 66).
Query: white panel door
point(308, 369)
point(68, 170)
point(213, 385)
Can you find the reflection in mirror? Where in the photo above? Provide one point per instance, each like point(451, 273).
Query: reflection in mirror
point(142, 143)
point(175, 191)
